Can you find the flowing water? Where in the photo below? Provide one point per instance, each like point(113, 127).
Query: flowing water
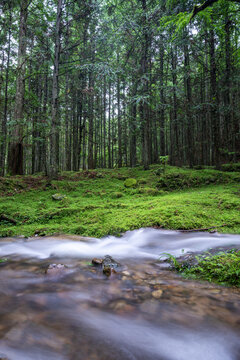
point(144, 311)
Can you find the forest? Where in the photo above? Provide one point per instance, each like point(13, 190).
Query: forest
point(105, 84)
point(119, 179)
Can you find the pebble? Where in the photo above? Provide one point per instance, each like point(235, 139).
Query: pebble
point(157, 294)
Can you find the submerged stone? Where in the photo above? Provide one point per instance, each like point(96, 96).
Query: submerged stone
point(157, 294)
point(56, 269)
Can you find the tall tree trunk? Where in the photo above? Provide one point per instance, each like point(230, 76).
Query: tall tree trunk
point(104, 121)
point(133, 126)
point(90, 122)
point(227, 85)
point(214, 101)
point(162, 112)
point(5, 111)
point(119, 123)
point(144, 106)
point(109, 127)
point(188, 94)
point(174, 141)
point(16, 146)
point(54, 138)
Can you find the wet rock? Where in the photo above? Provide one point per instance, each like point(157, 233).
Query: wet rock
point(56, 269)
point(108, 271)
point(126, 273)
point(157, 294)
point(109, 261)
point(97, 262)
point(109, 265)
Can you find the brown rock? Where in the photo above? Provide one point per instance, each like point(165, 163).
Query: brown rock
point(97, 262)
point(157, 294)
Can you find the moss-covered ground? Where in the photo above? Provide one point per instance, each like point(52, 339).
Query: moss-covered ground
point(97, 203)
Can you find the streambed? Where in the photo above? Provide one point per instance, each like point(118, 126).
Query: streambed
point(144, 311)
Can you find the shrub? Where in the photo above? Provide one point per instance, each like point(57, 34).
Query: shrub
point(231, 167)
point(223, 268)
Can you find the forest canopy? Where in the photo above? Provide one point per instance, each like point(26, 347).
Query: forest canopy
point(87, 84)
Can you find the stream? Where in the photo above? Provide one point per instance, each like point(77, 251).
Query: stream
point(143, 311)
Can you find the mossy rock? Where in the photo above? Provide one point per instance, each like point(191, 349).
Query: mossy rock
point(117, 195)
point(58, 197)
point(148, 191)
point(130, 183)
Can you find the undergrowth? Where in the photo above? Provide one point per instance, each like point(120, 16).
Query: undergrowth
point(222, 268)
point(97, 203)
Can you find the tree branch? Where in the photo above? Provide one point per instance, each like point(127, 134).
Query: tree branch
point(206, 4)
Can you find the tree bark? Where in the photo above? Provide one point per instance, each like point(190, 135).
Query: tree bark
point(5, 111)
point(16, 146)
point(54, 138)
point(214, 101)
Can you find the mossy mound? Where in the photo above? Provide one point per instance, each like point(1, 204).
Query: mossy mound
point(117, 195)
point(175, 181)
point(130, 183)
point(149, 191)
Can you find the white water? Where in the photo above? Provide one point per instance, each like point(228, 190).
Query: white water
point(143, 243)
point(73, 316)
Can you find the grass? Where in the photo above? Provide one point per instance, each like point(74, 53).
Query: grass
point(97, 203)
point(222, 268)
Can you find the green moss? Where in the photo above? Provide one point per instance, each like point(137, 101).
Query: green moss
point(149, 191)
point(117, 195)
point(130, 183)
point(94, 208)
point(142, 181)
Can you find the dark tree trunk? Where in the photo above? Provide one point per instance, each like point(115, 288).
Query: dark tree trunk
point(5, 110)
point(119, 124)
point(189, 114)
point(54, 138)
point(16, 146)
point(162, 111)
point(214, 101)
